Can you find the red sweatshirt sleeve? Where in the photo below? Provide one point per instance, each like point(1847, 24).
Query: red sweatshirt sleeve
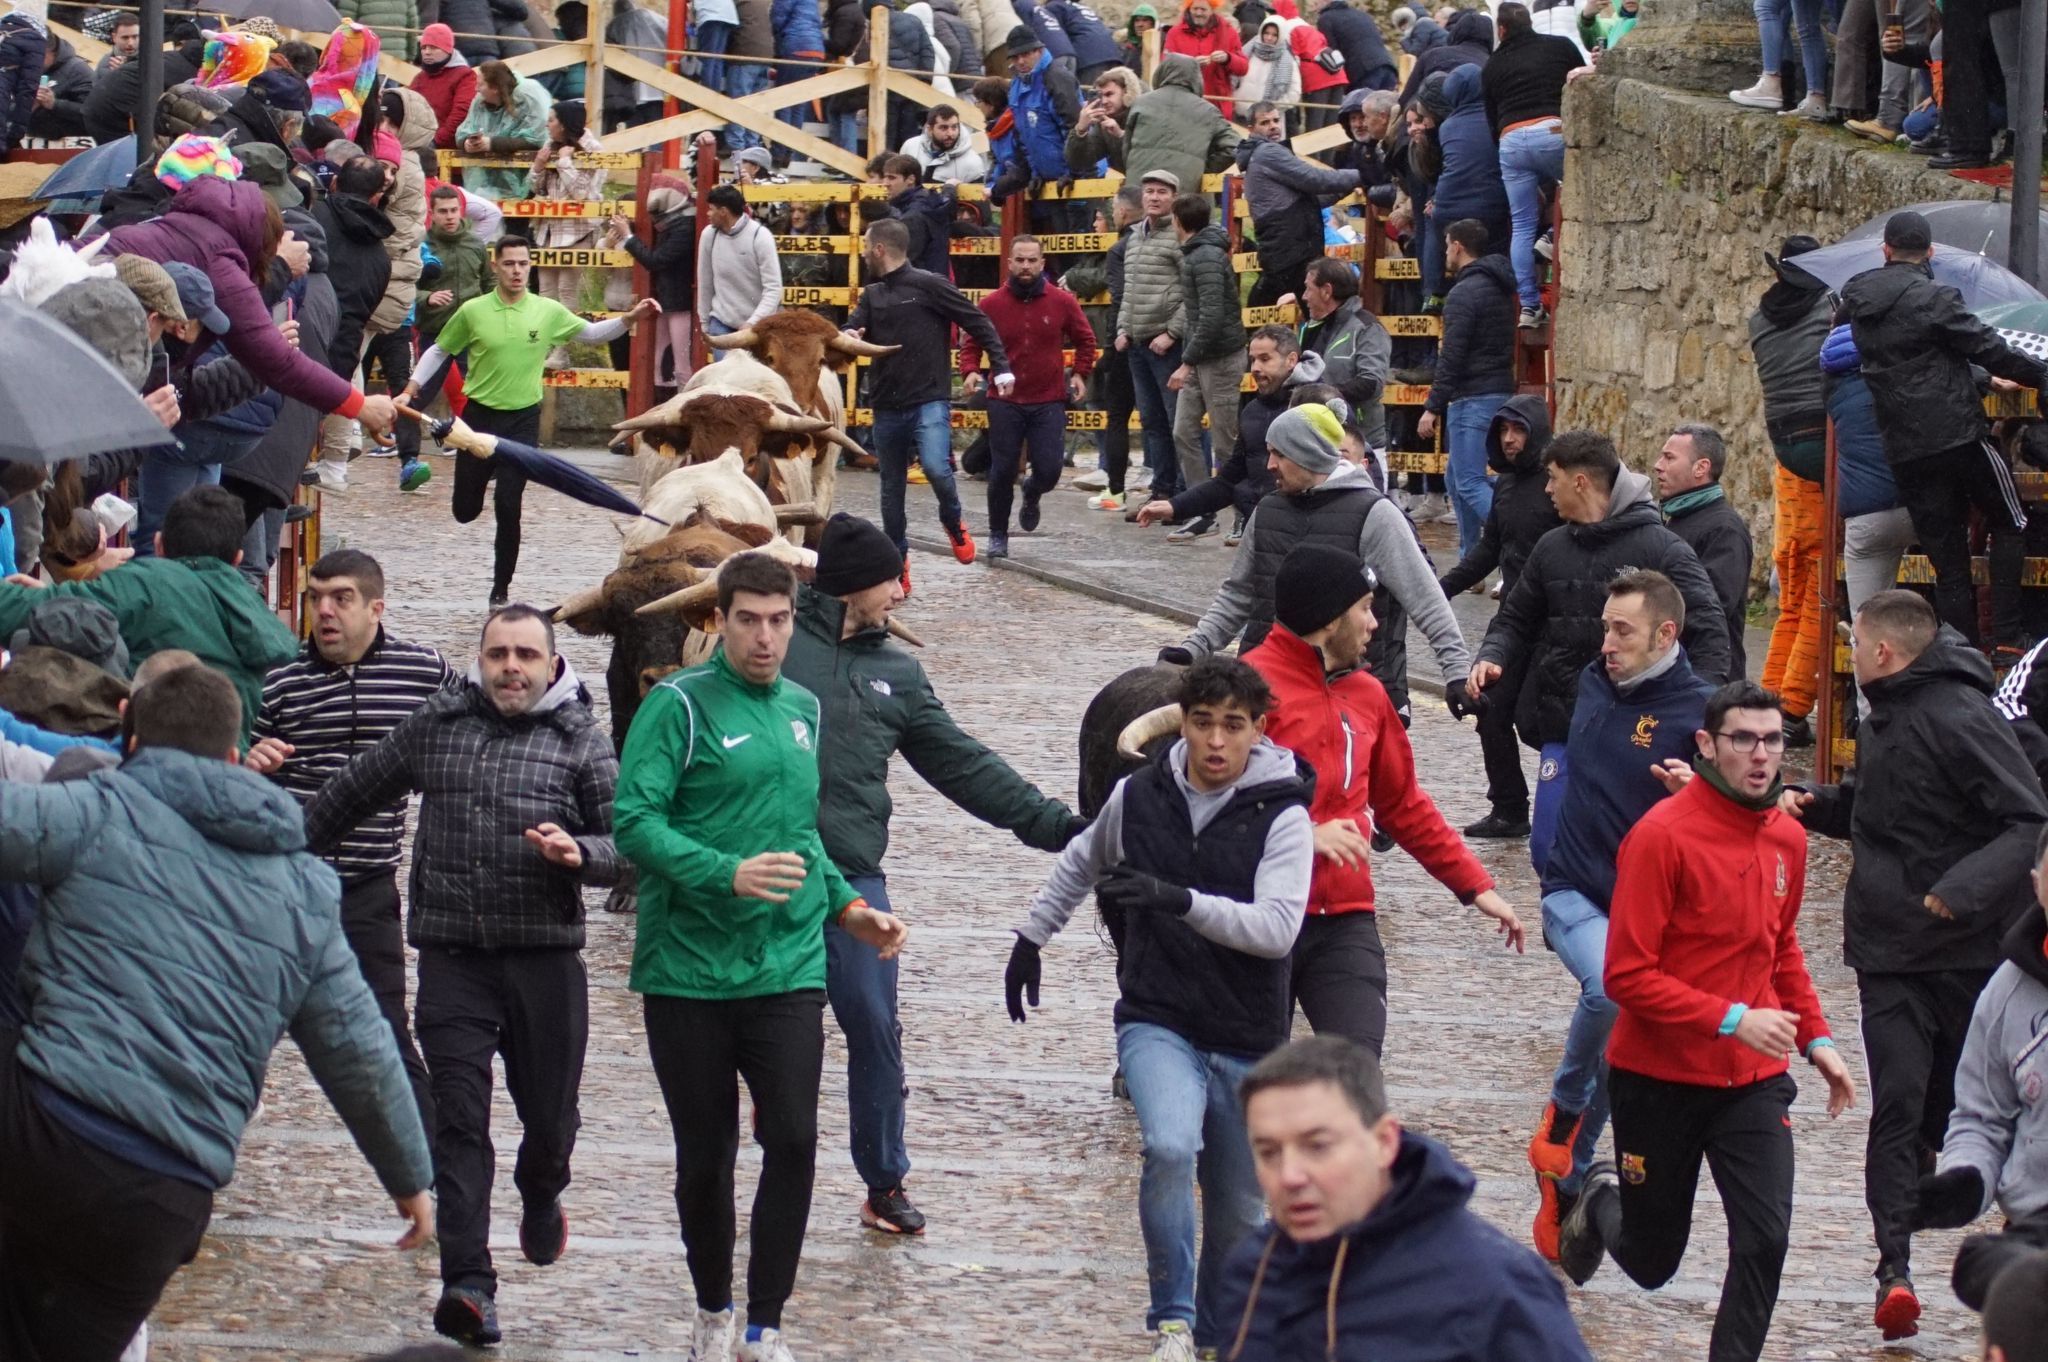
point(1082, 335)
point(1646, 878)
point(970, 349)
point(1411, 816)
point(1238, 63)
point(1789, 977)
point(465, 95)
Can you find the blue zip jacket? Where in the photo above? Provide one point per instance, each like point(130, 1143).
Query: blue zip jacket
point(1863, 476)
point(1092, 41)
point(1470, 186)
point(1046, 25)
point(1615, 740)
point(799, 31)
point(1041, 137)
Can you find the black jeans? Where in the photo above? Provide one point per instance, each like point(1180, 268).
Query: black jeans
point(1938, 492)
point(1507, 788)
point(1119, 400)
point(1913, 1030)
point(391, 352)
point(1340, 977)
point(1018, 431)
point(533, 1008)
point(1967, 60)
point(371, 920)
point(1984, 1256)
point(701, 1049)
point(1662, 1130)
point(472, 475)
point(87, 1241)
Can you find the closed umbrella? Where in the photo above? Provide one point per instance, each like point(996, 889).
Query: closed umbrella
point(548, 470)
point(91, 172)
point(1979, 226)
point(1981, 281)
point(59, 398)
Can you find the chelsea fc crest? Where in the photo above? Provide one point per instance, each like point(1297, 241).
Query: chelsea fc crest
point(801, 731)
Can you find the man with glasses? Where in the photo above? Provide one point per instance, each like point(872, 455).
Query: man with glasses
point(1638, 706)
point(1942, 811)
point(1703, 962)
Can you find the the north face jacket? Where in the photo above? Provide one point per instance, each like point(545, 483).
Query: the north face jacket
point(1356, 352)
point(484, 778)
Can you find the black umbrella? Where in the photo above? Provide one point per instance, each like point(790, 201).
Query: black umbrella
point(308, 16)
point(546, 469)
point(59, 398)
point(1981, 280)
point(1979, 226)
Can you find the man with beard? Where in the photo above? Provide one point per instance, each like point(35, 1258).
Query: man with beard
point(943, 152)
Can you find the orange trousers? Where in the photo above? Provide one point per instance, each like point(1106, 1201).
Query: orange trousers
point(1792, 668)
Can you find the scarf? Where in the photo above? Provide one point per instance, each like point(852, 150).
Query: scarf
point(1026, 292)
point(1260, 50)
point(1003, 126)
point(1754, 803)
point(1697, 497)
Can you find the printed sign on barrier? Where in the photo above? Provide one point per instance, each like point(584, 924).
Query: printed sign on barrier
point(559, 258)
point(812, 245)
point(813, 296)
point(1413, 326)
point(586, 378)
point(565, 208)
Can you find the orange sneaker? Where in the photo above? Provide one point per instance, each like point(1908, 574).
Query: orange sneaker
point(963, 546)
point(1551, 1210)
point(1550, 1148)
point(1898, 1308)
point(906, 579)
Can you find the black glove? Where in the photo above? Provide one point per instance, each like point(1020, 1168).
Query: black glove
point(1020, 977)
point(1177, 655)
point(1381, 196)
point(1076, 825)
point(1065, 184)
point(1126, 890)
point(1032, 189)
point(1460, 701)
point(1949, 1200)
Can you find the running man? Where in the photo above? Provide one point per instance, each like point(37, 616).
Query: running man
point(508, 333)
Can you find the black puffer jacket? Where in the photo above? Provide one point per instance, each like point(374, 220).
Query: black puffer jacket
point(1719, 537)
point(485, 778)
point(1548, 627)
point(1477, 354)
point(1918, 342)
point(22, 41)
point(115, 93)
point(1215, 323)
point(71, 86)
point(1942, 802)
point(1522, 511)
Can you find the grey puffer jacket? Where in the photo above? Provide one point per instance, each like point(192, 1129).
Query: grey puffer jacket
point(484, 779)
point(2000, 1123)
point(1357, 352)
point(1153, 298)
point(1287, 196)
point(183, 930)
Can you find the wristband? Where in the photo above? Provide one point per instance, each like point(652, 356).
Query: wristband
point(1736, 1012)
point(1817, 1042)
point(839, 918)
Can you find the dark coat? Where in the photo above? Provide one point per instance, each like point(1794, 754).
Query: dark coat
point(1093, 43)
point(1356, 34)
point(1287, 195)
point(1477, 353)
point(1244, 479)
point(71, 84)
point(358, 268)
point(1420, 1279)
point(111, 105)
point(1470, 185)
point(471, 17)
point(671, 261)
point(1941, 801)
point(1719, 538)
point(1525, 76)
point(1469, 42)
point(270, 471)
point(1548, 627)
point(917, 310)
point(928, 216)
point(1209, 285)
point(1918, 342)
point(1522, 511)
point(22, 42)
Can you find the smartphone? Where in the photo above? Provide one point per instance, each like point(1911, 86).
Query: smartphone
point(1894, 25)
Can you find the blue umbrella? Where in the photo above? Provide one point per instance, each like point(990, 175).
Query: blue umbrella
point(94, 172)
point(1981, 281)
point(546, 469)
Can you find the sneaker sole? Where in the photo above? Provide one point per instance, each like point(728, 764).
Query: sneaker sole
point(462, 1322)
point(1552, 1159)
point(1898, 1314)
point(1548, 1228)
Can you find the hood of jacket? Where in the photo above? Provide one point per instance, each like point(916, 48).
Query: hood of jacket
point(1210, 237)
point(1633, 505)
point(1470, 26)
point(307, 228)
point(1426, 1182)
point(359, 219)
point(1786, 304)
point(1463, 86)
point(2026, 945)
point(1874, 293)
point(1179, 72)
point(1949, 658)
point(250, 626)
point(1528, 411)
point(416, 132)
point(566, 688)
point(1422, 35)
point(226, 804)
point(1308, 368)
point(235, 205)
point(455, 59)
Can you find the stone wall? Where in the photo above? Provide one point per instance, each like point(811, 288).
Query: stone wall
point(1670, 201)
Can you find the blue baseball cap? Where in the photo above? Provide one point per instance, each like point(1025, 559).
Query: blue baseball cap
point(195, 295)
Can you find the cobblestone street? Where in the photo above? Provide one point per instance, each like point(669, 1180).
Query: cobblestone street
point(1025, 1162)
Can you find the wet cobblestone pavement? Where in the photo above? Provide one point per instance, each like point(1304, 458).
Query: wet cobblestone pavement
point(1024, 1161)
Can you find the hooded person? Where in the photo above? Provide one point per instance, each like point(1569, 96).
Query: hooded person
point(1470, 185)
point(951, 31)
point(1170, 127)
point(1468, 41)
point(1272, 72)
point(446, 81)
point(1131, 39)
point(69, 80)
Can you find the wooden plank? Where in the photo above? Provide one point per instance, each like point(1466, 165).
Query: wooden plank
point(1322, 139)
point(1416, 461)
point(588, 160)
point(826, 296)
point(975, 245)
point(1404, 394)
point(814, 245)
point(1397, 268)
point(878, 88)
point(554, 57)
point(1916, 570)
point(1413, 326)
point(680, 128)
point(756, 115)
point(1282, 314)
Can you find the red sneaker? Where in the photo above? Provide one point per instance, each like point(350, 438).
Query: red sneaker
point(1551, 1210)
point(1550, 1148)
point(906, 579)
point(1898, 1309)
point(963, 545)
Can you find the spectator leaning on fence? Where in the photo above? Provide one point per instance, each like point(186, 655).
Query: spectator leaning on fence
point(509, 118)
point(944, 151)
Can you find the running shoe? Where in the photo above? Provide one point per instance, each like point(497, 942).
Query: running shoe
point(1550, 1149)
point(1533, 318)
point(916, 475)
point(998, 546)
point(963, 547)
point(1898, 1307)
point(1580, 1247)
point(711, 1339)
point(1094, 480)
point(1551, 1211)
point(414, 475)
point(1193, 530)
point(1107, 501)
point(544, 1233)
point(1175, 1342)
point(1236, 535)
point(1799, 731)
point(467, 1315)
point(769, 1347)
point(891, 1213)
point(906, 579)
point(1498, 827)
point(1027, 514)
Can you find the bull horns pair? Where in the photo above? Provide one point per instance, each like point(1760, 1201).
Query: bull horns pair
point(782, 420)
point(748, 338)
point(695, 599)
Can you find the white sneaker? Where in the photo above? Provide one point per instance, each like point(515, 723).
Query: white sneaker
point(1433, 507)
point(1767, 93)
point(1140, 480)
point(332, 478)
point(1176, 1343)
point(770, 1348)
point(712, 1340)
point(1096, 480)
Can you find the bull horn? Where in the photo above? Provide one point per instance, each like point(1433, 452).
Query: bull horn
point(587, 599)
point(855, 345)
point(834, 435)
point(791, 423)
point(689, 598)
point(798, 513)
point(900, 630)
point(1155, 723)
point(734, 340)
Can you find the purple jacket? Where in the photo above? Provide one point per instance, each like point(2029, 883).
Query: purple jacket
point(217, 225)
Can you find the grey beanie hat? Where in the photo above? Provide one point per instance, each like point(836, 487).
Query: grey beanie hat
point(1294, 437)
point(108, 317)
point(85, 629)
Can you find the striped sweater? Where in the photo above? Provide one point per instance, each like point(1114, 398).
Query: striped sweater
point(329, 714)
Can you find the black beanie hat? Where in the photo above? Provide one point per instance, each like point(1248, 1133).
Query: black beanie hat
point(853, 555)
point(1316, 585)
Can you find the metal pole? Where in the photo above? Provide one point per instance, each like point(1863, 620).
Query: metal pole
point(152, 55)
point(2023, 252)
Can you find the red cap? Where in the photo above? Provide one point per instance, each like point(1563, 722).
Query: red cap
point(438, 35)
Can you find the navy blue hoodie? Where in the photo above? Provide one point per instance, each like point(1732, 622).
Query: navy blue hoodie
point(1615, 740)
point(1420, 1279)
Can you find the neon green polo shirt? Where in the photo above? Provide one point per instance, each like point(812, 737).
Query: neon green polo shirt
point(508, 345)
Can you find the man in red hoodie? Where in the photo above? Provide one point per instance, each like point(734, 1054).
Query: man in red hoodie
point(1037, 322)
point(1338, 719)
point(1703, 962)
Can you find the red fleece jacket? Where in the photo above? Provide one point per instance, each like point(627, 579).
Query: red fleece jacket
point(1035, 335)
point(1348, 731)
point(1705, 915)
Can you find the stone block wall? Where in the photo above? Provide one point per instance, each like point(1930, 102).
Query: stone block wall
point(1670, 201)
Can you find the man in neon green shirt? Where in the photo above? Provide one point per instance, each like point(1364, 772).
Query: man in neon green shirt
point(717, 806)
point(508, 333)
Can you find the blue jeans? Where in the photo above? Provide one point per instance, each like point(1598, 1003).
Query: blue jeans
point(714, 39)
point(260, 545)
point(1528, 158)
point(1774, 18)
point(169, 472)
point(743, 79)
point(797, 114)
point(1465, 427)
point(845, 131)
point(926, 428)
point(715, 327)
point(1156, 406)
point(1577, 930)
point(1552, 770)
point(862, 989)
point(1192, 1126)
